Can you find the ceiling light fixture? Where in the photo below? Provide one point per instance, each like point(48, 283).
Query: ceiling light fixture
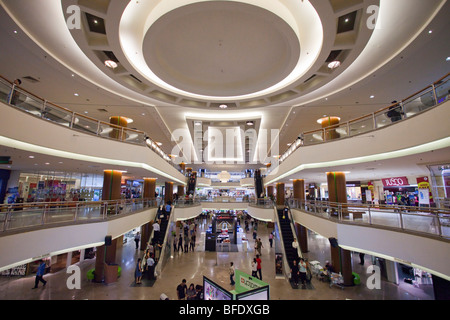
point(223, 106)
point(249, 123)
point(110, 64)
point(334, 64)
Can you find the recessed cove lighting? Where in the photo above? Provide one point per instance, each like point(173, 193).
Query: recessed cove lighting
point(334, 64)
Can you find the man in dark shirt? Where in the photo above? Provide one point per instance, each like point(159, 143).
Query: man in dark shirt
point(181, 290)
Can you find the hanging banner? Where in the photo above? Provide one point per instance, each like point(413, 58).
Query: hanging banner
point(424, 183)
point(395, 182)
point(368, 195)
point(371, 188)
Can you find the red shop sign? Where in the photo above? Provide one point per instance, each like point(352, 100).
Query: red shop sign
point(395, 182)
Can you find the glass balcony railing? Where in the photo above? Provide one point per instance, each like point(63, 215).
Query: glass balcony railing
point(422, 220)
point(21, 216)
point(39, 107)
point(431, 96)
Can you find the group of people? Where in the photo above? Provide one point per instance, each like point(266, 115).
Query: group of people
point(193, 292)
point(147, 263)
point(299, 271)
point(187, 237)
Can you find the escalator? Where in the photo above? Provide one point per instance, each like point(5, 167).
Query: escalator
point(192, 182)
point(291, 253)
point(259, 184)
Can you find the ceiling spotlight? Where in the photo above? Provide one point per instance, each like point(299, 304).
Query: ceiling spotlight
point(448, 59)
point(371, 97)
point(249, 123)
point(223, 106)
point(334, 64)
point(111, 64)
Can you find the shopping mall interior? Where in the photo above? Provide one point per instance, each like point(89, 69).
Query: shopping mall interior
point(309, 138)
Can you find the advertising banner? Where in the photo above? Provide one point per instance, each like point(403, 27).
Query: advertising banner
point(424, 183)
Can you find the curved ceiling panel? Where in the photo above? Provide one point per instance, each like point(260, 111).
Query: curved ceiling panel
point(221, 49)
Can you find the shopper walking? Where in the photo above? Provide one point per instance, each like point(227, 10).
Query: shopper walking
point(40, 274)
point(231, 272)
point(181, 290)
point(156, 231)
point(258, 267)
point(259, 245)
point(180, 243)
point(138, 272)
point(271, 239)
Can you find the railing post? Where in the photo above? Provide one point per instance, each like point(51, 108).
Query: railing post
point(98, 128)
point(43, 214)
point(438, 224)
point(72, 120)
point(76, 212)
point(434, 94)
point(44, 106)
point(370, 216)
point(12, 93)
point(374, 119)
point(7, 218)
point(401, 217)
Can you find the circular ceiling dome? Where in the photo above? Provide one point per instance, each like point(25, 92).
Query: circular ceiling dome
point(221, 48)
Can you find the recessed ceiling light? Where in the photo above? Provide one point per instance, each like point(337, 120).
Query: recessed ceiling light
point(431, 31)
point(371, 97)
point(110, 64)
point(76, 94)
point(448, 59)
point(223, 106)
point(159, 143)
point(47, 163)
point(143, 114)
point(31, 157)
point(198, 123)
point(249, 123)
point(334, 64)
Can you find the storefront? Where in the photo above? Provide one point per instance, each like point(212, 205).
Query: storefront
point(55, 186)
point(399, 191)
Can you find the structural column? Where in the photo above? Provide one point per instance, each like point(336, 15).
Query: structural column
point(269, 191)
point(180, 191)
point(168, 192)
point(331, 124)
point(280, 194)
point(149, 188)
point(112, 180)
point(117, 131)
point(337, 193)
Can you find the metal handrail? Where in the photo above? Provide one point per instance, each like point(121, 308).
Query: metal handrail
point(345, 212)
point(21, 216)
point(300, 141)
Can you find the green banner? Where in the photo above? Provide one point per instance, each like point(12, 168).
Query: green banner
point(245, 282)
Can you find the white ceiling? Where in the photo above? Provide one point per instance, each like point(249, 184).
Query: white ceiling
point(398, 59)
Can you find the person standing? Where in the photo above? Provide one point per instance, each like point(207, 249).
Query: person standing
point(190, 292)
point(254, 268)
point(361, 258)
point(295, 272)
point(181, 290)
point(156, 230)
point(137, 238)
point(40, 274)
point(138, 272)
point(302, 270)
point(258, 266)
point(231, 272)
point(180, 243)
point(151, 267)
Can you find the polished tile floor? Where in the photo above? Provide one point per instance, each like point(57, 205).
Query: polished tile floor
point(192, 266)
